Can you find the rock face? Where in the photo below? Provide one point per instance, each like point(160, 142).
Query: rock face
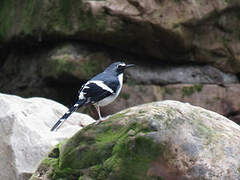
point(57, 72)
point(161, 140)
point(189, 31)
point(188, 74)
point(221, 99)
point(53, 71)
point(25, 133)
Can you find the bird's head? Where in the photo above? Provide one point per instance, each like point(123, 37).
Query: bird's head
point(118, 67)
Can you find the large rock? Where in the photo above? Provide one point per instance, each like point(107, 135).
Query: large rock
point(205, 32)
point(25, 133)
point(161, 140)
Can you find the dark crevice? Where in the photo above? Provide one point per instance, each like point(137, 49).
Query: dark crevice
point(23, 47)
point(234, 116)
point(233, 113)
point(238, 76)
point(4, 52)
point(63, 79)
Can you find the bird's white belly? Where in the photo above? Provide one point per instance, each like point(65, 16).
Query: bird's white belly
point(106, 100)
point(111, 98)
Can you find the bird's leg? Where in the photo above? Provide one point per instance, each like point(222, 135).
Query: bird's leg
point(99, 114)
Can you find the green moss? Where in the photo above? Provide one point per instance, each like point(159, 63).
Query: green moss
point(7, 13)
point(61, 16)
point(50, 161)
point(90, 68)
point(31, 20)
point(101, 23)
point(64, 12)
point(65, 174)
point(203, 130)
point(132, 82)
point(169, 91)
point(228, 1)
point(107, 152)
point(130, 159)
point(54, 153)
point(208, 133)
point(135, 157)
point(119, 115)
point(125, 96)
point(84, 178)
point(109, 136)
point(65, 7)
point(188, 91)
point(37, 18)
point(62, 65)
point(92, 23)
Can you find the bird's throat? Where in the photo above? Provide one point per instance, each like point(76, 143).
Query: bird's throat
point(120, 78)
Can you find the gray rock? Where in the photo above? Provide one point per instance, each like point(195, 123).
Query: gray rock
point(162, 140)
point(25, 133)
point(180, 74)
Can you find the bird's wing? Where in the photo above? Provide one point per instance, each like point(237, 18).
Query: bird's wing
point(96, 90)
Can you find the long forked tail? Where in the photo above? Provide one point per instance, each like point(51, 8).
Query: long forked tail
point(77, 105)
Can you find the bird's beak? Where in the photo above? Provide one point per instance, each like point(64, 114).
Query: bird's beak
point(129, 65)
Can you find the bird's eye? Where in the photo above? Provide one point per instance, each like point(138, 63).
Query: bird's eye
point(121, 66)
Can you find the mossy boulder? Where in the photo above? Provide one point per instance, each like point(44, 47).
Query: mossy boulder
point(161, 140)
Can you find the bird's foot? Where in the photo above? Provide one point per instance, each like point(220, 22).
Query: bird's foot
point(101, 119)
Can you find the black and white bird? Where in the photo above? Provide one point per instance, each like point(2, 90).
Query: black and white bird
point(101, 90)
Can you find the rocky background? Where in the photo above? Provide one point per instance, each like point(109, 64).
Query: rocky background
point(184, 50)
